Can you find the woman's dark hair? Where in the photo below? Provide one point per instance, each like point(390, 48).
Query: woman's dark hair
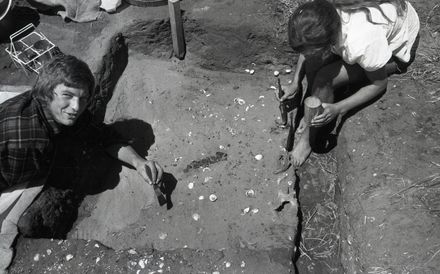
point(313, 26)
point(67, 70)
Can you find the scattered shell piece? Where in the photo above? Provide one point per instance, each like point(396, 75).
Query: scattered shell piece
point(258, 157)
point(288, 70)
point(201, 197)
point(206, 169)
point(160, 271)
point(290, 183)
point(69, 257)
point(245, 211)
point(132, 252)
point(243, 264)
point(196, 216)
point(207, 179)
point(276, 73)
point(250, 193)
point(191, 185)
point(261, 97)
point(221, 147)
point(161, 258)
point(213, 197)
point(49, 252)
point(272, 87)
point(255, 210)
point(37, 257)
point(163, 235)
point(290, 81)
point(216, 272)
point(252, 71)
point(228, 264)
point(239, 101)
point(247, 70)
point(97, 245)
point(141, 263)
point(161, 265)
point(97, 260)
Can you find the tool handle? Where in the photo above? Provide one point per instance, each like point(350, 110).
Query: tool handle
point(280, 90)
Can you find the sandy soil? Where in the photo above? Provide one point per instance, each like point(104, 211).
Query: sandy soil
point(364, 203)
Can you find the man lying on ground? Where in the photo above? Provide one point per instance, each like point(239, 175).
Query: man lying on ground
point(31, 125)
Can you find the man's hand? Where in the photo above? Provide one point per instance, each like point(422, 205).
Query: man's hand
point(331, 111)
point(150, 171)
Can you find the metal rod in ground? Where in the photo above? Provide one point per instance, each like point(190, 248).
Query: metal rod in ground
point(177, 29)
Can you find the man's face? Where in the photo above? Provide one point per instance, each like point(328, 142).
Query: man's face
point(68, 104)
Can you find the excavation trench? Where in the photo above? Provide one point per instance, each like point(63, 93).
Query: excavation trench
point(204, 119)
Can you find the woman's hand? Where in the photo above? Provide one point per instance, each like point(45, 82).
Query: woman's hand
point(150, 171)
point(290, 92)
point(331, 111)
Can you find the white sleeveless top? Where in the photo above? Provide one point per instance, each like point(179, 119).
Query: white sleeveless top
point(371, 44)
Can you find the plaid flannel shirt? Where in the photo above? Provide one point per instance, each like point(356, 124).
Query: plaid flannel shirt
point(29, 138)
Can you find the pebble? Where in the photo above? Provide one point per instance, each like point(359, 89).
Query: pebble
point(69, 257)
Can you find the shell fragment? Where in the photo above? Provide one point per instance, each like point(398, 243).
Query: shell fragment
point(258, 157)
point(250, 193)
point(196, 216)
point(213, 197)
point(276, 73)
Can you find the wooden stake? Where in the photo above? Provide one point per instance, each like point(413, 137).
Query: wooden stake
point(177, 29)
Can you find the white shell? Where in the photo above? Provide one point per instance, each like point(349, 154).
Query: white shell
point(247, 70)
point(252, 71)
point(201, 197)
point(250, 193)
point(288, 70)
point(228, 264)
point(213, 197)
point(276, 73)
point(196, 216)
point(141, 263)
point(132, 252)
point(163, 235)
point(191, 185)
point(258, 157)
point(245, 210)
point(69, 257)
point(255, 210)
point(37, 257)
